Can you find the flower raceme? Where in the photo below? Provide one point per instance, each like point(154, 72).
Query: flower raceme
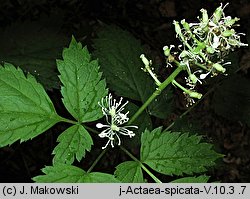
point(205, 44)
point(115, 119)
point(203, 48)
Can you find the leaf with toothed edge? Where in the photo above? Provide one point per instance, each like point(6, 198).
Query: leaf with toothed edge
point(175, 153)
point(73, 143)
point(129, 172)
point(194, 179)
point(25, 109)
point(63, 173)
point(82, 85)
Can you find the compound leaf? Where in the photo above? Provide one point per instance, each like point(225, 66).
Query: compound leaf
point(74, 141)
point(176, 153)
point(25, 109)
point(119, 55)
point(71, 174)
point(82, 85)
point(129, 172)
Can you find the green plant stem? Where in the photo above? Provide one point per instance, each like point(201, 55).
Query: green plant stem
point(158, 83)
point(100, 155)
point(96, 160)
point(201, 66)
point(150, 174)
point(158, 90)
point(180, 86)
point(141, 165)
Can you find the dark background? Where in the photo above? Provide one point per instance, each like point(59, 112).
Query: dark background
point(151, 22)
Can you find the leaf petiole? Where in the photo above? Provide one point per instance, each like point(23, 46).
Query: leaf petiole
point(141, 165)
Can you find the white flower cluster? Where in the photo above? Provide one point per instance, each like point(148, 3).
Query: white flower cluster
point(217, 32)
point(204, 45)
point(115, 119)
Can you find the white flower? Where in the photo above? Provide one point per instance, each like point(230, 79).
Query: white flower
point(114, 127)
point(215, 33)
point(113, 131)
point(110, 106)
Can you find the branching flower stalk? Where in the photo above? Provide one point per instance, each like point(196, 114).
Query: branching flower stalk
point(157, 92)
point(203, 48)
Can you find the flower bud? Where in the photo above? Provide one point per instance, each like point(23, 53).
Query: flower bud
point(166, 50)
point(210, 50)
point(99, 125)
point(177, 28)
point(218, 14)
point(219, 67)
point(228, 33)
point(194, 94)
point(193, 78)
point(144, 60)
point(185, 25)
point(229, 21)
point(204, 16)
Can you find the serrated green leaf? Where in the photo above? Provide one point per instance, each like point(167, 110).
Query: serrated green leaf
point(231, 99)
point(98, 177)
point(63, 173)
point(119, 55)
point(25, 109)
point(176, 153)
point(60, 173)
point(74, 141)
point(119, 52)
point(129, 172)
point(34, 46)
point(199, 179)
point(82, 85)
